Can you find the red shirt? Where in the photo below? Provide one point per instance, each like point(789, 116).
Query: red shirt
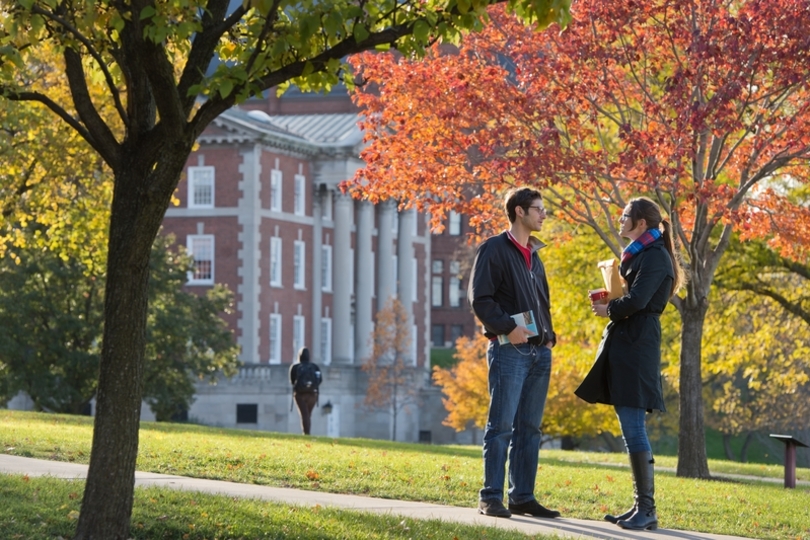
point(526, 250)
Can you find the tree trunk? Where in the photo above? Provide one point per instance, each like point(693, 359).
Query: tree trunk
point(749, 437)
point(394, 410)
point(727, 447)
point(567, 443)
point(140, 199)
point(692, 462)
point(611, 442)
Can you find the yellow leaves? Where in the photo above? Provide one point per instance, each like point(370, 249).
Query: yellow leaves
point(465, 384)
point(73, 515)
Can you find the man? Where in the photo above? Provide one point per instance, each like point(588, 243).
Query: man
point(305, 377)
point(508, 279)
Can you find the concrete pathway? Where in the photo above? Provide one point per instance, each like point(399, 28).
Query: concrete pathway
point(561, 528)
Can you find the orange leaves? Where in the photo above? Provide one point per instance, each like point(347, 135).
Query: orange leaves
point(465, 384)
point(312, 475)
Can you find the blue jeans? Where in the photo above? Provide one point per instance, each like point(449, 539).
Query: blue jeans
point(634, 428)
point(518, 384)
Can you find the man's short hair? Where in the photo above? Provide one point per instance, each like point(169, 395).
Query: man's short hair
point(523, 197)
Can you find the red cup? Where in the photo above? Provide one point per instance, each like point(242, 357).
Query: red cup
point(598, 296)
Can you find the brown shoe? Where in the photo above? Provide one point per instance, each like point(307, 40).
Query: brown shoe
point(494, 508)
point(533, 508)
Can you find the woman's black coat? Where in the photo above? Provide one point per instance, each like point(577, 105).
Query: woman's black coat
point(627, 370)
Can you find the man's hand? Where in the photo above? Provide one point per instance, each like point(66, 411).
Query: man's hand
point(519, 335)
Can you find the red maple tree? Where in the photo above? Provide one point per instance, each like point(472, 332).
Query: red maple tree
point(702, 105)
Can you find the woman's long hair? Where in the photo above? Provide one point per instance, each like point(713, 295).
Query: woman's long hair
point(646, 209)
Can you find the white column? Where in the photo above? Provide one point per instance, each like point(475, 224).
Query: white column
point(317, 267)
point(385, 252)
point(405, 290)
point(426, 296)
point(249, 255)
point(363, 280)
point(342, 284)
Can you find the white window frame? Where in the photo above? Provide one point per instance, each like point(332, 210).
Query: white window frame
point(454, 292)
point(326, 341)
point(437, 291)
point(276, 180)
point(299, 264)
point(298, 333)
point(192, 243)
point(199, 178)
point(275, 261)
point(326, 268)
point(275, 338)
point(299, 206)
point(454, 224)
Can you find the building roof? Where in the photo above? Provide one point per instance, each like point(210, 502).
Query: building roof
point(324, 131)
point(319, 128)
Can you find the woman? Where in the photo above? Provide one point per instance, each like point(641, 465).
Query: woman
point(627, 371)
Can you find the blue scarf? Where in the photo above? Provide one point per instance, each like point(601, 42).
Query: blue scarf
point(638, 245)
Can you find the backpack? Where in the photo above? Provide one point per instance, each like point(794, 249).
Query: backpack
point(308, 378)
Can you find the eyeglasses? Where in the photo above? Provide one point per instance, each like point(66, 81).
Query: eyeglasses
point(540, 209)
point(624, 217)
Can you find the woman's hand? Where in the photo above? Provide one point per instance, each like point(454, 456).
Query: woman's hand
point(600, 310)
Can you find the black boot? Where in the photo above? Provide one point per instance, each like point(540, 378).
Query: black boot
point(615, 519)
point(644, 516)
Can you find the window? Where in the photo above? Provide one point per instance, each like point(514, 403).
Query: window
point(275, 190)
point(298, 333)
point(247, 413)
point(456, 331)
point(200, 187)
point(326, 268)
point(437, 335)
point(454, 225)
point(299, 264)
point(454, 290)
point(275, 338)
point(326, 341)
point(201, 247)
point(275, 261)
point(300, 194)
point(437, 291)
point(438, 266)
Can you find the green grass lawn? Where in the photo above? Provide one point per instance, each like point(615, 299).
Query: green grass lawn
point(580, 484)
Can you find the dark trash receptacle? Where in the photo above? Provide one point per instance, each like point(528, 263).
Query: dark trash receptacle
point(790, 457)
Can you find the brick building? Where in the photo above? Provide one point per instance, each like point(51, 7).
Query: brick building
point(260, 210)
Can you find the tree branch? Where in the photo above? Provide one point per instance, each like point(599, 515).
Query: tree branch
point(72, 30)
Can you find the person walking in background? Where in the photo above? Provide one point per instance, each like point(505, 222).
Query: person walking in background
point(508, 279)
point(627, 370)
point(305, 377)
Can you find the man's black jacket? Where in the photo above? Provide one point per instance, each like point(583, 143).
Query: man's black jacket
point(501, 285)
